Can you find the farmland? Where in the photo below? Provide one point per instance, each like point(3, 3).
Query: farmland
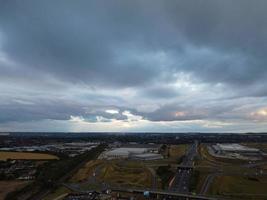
point(26, 156)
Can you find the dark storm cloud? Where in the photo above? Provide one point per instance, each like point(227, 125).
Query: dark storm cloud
point(142, 45)
point(187, 111)
point(83, 41)
point(160, 92)
point(16, 111)
point(22, 110)
point(76, 42)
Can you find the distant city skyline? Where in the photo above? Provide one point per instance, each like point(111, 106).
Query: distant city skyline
point(133, 66)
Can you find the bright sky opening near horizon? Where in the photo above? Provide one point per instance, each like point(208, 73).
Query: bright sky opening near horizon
point(141, 66)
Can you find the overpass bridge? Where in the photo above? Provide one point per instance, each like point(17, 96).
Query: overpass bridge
point(164, 193)
point(155, 193)
point(185, 167)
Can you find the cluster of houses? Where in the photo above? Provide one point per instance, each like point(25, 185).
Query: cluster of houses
point(18, 169)
point(71, 149)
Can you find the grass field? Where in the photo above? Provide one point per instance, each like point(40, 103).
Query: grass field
point(113, 172)
point(177, 150)
point(129, 173)
point(208, 160)
point(231, 178)
point(10, 186)
point(26, 156)
point(86, 171)
point(172, 155)
point(200, 182)
point(239, 186)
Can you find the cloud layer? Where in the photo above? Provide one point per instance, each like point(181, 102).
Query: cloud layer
point(133, 65)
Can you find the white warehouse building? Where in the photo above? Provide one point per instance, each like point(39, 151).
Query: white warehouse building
point(132, 153)
point(234, 148)
point(146, 156)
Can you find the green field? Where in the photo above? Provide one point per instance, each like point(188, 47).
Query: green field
point(238, 186)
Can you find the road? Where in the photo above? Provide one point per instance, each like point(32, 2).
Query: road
point(167, 194)
point(154, 182)
point(180, 182)
point(209, 179)
point(61, 196)
point(170, 195)
point(46, 191)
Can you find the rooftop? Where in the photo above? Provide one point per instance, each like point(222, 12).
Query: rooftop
point(235, 147)
point(127, 150)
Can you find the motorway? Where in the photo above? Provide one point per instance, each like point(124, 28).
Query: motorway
point(181, 180)
point(209, 179)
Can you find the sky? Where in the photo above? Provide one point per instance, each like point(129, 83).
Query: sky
point(133, 66)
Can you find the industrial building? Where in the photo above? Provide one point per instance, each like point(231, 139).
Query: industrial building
point(234, 148)
point(146, 156)
point(132, 153)
point(235, 151)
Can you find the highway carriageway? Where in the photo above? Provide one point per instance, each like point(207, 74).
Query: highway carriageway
point(153, 192)
point(164, 193)
point(181, 180)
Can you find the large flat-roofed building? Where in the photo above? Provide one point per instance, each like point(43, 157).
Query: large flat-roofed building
point(146, 156)
point(235, 151)
point(234, 148)
point(124, 152)
point(132, 153)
